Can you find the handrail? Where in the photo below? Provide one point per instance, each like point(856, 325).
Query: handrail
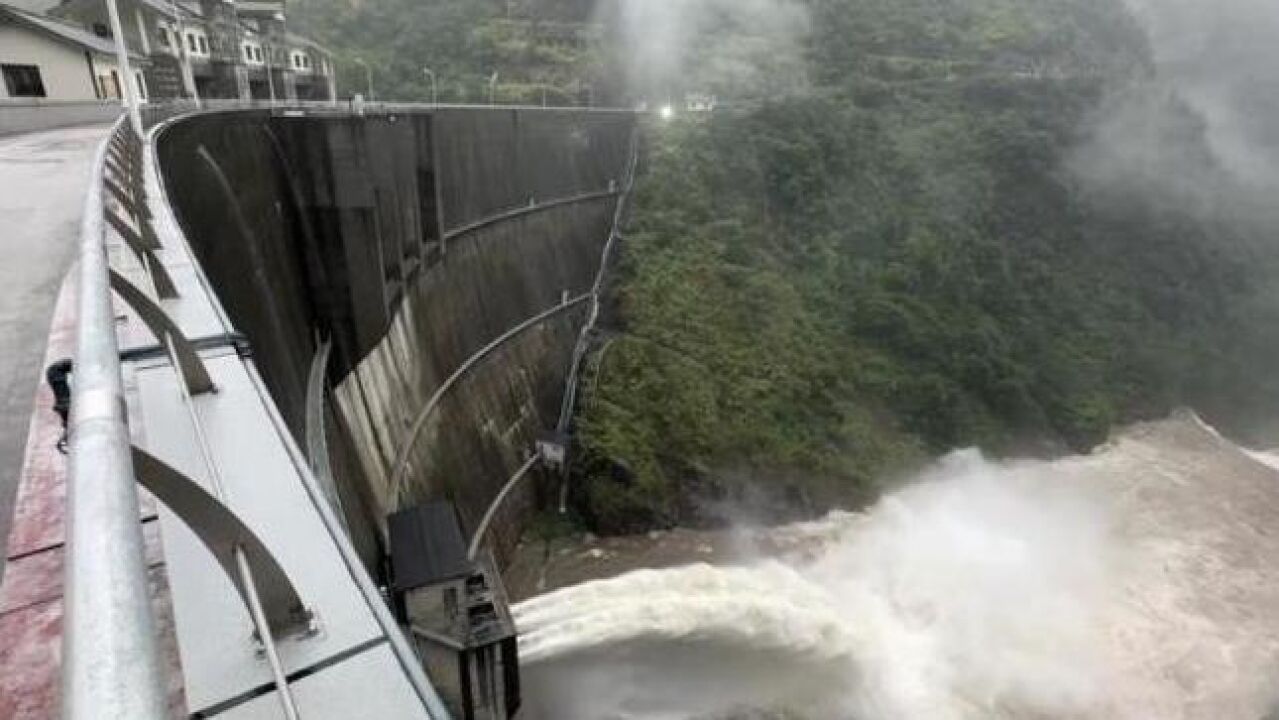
point(399, 470)
point(125, 145)
point(473, 549)
point(154, 113)
point(111, 665)
point(521, 210)
point(110, 645)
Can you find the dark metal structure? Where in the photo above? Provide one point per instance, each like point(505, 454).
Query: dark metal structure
point(456, 609)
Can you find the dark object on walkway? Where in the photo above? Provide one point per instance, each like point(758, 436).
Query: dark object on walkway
point(56, 375)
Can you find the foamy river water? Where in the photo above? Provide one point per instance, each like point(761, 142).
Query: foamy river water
point(1137, 583)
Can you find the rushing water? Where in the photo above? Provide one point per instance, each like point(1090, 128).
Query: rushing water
point(1137, 583)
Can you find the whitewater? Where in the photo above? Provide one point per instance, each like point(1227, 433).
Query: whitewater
point(1140, 582)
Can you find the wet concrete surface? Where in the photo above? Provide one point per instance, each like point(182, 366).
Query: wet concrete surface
point(43, 177)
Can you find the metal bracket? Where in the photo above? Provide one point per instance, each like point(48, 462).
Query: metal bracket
point(164, 286)
point(114, 167)
point(139, 240)
point(234, 340)
point(134, 206)
point(123, 157)
point(222, 532)
point(197, 376)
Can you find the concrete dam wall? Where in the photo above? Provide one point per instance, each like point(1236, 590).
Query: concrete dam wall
point(406, 243)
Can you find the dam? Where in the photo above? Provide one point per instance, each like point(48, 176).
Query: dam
point(340, 357)
point(339, 354)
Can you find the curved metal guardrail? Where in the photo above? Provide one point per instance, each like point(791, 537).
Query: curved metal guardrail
point(111, 666)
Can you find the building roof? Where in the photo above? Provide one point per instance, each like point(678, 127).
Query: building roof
point(426, 546)
point(306, 42)
point(59, 30)
point(165, 8)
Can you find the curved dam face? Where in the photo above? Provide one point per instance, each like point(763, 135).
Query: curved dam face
point(407, 243)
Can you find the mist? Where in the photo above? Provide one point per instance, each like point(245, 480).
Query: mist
point(976, 590)
point(673, 47)
point(1222, 59)
point(1134, 583)
point(1203, 128)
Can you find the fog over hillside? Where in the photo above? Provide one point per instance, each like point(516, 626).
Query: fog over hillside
point(1222, 57)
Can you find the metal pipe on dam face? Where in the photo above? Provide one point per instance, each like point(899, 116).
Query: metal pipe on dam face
point(410, 240)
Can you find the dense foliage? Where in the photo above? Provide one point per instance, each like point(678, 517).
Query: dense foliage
point(914, 242)
point(539, 50)
point(821, 290)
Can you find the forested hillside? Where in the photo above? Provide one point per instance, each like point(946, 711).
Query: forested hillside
point(897, 236)
point(905, 258)
point(542, 48)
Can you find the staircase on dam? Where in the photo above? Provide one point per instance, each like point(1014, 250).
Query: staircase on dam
point(340, 348)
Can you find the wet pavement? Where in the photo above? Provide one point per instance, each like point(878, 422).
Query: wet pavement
point(43, 177)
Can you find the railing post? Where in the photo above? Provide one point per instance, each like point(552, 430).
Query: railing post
point(110, 657)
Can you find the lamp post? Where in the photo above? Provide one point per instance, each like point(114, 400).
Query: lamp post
point(184, 59)
point(434, 98)
point(368, 74)
point(127, 95)
point(269, 48)
point(493, 88)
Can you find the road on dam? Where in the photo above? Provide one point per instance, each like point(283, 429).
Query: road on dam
point(43, 177)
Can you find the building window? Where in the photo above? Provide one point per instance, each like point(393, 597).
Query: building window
point(258, 53)
point(23, 80)
point(191, 42)
point(164, 37)
point(204, 45)
point(248, 53)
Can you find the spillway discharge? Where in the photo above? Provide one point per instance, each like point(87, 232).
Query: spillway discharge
point(1035, 590)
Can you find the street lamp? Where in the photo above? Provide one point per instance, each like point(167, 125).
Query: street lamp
point(434, 98)
point(271, 49)
point(127, 94)
point(493, 88)
point(184, 58)
point(368, 74)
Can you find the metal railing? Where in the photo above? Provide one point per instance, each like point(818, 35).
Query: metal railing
point(111, 666)
point(153, 113)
